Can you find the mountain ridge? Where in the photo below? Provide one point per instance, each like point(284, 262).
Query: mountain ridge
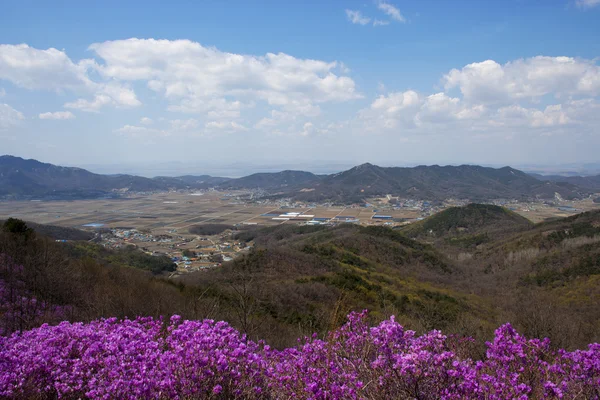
point(21, 178)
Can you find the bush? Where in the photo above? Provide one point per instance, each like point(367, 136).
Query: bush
point(152, 358)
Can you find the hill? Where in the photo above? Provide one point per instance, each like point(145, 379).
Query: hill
point(470, 223)
point(272, 180)
point(59, 232)
point(433, 183)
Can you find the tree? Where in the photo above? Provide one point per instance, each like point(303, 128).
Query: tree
point(18, 227)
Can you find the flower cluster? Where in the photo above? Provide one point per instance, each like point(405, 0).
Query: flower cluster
point(155, 358)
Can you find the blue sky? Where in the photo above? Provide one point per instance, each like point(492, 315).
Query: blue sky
point(272, 82)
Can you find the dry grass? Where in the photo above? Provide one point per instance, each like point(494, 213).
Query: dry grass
point(515, 257)
point(579, 241)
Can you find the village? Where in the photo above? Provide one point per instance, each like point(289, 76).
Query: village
point(189, 252)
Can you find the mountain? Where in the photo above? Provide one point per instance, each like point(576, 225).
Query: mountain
point(31, 178)
point(21, 178)
point(272, 181)
point(434, 183)
point(588, 182)
point(193, 181)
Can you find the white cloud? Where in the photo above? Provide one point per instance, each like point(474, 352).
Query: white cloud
point(9, 117)
point(133, 129)
point(531, 78)
point(184, 124)
point(225, 126)
point(391, 111)
point(116, 96)
point(2, 92)
point(216, 106)
point(587, 3)
point(307, 129)
point(191, 76)
point(541, 94)
point(52, 69)
point(90, 106)
point(357, 18)
point(146, 121)
point(142, 132)
point(391, 11)
point(516, 115)
point(57, 115)
point(379, 22)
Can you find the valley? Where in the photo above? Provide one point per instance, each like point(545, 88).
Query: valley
point(163, 223)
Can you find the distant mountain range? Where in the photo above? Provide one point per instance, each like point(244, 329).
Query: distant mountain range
point(31, 178)
point(435, 183)
point(588, 182)
point(20, 178)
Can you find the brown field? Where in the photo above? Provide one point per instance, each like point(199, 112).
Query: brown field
point(163, 212)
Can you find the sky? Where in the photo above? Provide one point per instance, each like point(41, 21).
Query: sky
point(261, 84)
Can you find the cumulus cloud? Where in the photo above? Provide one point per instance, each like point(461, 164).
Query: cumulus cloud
point(357, 18)
point(307, 129)
point(191, 76)
point(391, 11)
point(531, 78)
point(539, 94)
point(391, 111)
point(52, 69)
point(146, 121)
point(9, 117)
point(217, 85)
point(135, 130)
point(57, 115)
point(225, 126)
point(587, 3)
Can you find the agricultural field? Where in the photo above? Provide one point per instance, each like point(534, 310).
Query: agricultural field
point(163, 213)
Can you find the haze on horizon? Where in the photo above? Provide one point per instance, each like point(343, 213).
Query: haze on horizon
point(280, 83)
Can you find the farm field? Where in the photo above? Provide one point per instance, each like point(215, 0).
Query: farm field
point(163, 213)
point(160, 213)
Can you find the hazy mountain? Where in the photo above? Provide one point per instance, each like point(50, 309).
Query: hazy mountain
point(588, 182)
point(272, 181)
point(433, 182)
point(193, 181)
point(29, 178)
